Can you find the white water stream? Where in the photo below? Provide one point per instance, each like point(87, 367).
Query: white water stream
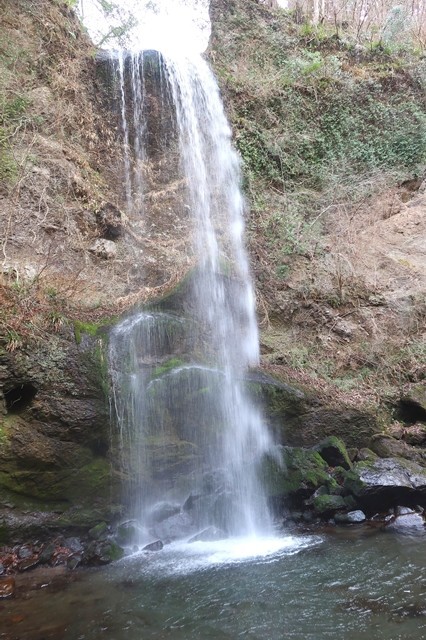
point(173, 34)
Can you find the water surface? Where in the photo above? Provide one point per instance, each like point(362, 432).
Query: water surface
point(312, 587)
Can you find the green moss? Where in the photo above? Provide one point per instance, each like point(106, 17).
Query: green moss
point(303, 471)
point(88, 328)
point(167, 366)
point(326, 504)
point(113, 552)
point(92, 480)
point(353, 483)
point(333, 451)
point(98, 531)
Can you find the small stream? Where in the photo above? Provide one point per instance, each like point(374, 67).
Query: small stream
point(355, 584)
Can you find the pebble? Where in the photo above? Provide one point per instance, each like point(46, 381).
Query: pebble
point(7, 587)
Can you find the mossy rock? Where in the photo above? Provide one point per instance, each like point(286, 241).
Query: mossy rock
point(279, 400)
point(99, 531)
point(415, 396)
point(170, 458)
point(326, 505)
point(69, 486)
point(386, 446)
point(301, 473)
point(333, 451)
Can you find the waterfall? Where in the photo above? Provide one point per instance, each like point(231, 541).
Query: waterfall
point(196, 411)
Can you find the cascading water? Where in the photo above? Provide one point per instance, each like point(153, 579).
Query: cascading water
point(199, 412)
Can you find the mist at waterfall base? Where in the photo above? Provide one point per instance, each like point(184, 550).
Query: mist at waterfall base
point(192, 440)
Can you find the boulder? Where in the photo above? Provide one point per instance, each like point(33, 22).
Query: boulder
point(414, 398)
point(7, 587)
point(352, 517)
point(153, 546)
point(386, 482)
point(178, 526)
point(161, 511)
point(102, 552)
point(365, 455)
point(209, 535)
point(334, 452)
point(407, 523)
point(103, 248)
point(298, 476)
point(387, 447)
point(296, 417)
point(110, 221)
point(99, 531)
point(126, 533)
point(325, 505)
point(415, 434)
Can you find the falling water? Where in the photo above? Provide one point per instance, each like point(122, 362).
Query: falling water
point(223, 329)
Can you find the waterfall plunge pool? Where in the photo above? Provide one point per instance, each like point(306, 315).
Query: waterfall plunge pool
point(354, 584)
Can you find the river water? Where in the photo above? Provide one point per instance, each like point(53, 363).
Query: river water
point(355, 584)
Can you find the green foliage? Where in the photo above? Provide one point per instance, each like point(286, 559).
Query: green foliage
point(88, 328)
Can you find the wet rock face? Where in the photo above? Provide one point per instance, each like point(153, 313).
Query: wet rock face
point(299, 419)
point(54, 435)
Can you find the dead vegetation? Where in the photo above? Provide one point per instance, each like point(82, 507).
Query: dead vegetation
point(336, 229)
point(61, 168)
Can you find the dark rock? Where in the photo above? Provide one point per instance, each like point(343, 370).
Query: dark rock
point(153, 546)
point(2, 568)
point(47, 553)
point(387, 447)
point(326, 505)
point(209, 535)
point(102, 552)
point(109, 552)
point(351, 503)
point(414, 401)
point(178, 526)
point(334, 452)
point(365, 455)
point(226, 513)
point(28, 563)
point(126, 533)
point(415, 435)
point(74, 561)
point(7, 587)
point(99, 532)
point(110, 221)
point(354, 426)
point(192, 502)
point(73, 544)
point(53, 450)
point(352, 517)
point(301, 473)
